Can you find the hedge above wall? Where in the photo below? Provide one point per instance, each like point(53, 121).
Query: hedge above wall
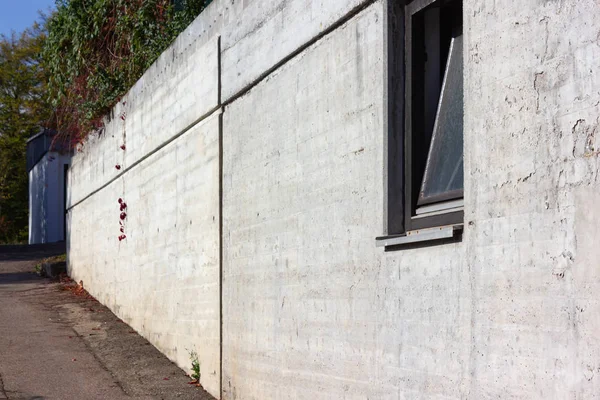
point(97, 49)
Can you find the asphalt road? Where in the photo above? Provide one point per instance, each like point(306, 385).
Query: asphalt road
point(57, 345)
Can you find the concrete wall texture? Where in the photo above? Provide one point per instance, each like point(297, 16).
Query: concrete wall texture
point(254, 172)
point(47, 199)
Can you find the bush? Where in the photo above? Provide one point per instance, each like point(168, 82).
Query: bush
point(97, 49)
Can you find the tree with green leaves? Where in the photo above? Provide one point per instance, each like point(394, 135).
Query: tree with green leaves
point(23, 110)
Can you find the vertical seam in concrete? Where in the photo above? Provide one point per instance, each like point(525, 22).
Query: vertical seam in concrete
point(219, 70)
point(220, 219)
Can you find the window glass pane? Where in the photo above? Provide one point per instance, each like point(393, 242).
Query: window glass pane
point(443, 176)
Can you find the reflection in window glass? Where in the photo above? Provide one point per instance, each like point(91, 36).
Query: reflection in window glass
point(443, 176)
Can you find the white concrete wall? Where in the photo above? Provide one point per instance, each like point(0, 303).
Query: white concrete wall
point(46, 199)
point(311, 309)
point(266, 32)
point(531, 162)
point(163, 279)
point(507, 313)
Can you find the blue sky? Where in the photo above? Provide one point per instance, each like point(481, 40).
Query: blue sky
point(19, 14)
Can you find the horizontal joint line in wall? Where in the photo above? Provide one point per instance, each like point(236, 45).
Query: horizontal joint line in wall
point(218, 109)
point(299, 50)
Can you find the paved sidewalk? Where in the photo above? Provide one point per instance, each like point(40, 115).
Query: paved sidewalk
point(55, 344)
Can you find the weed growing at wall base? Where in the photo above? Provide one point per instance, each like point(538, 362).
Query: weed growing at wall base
point(195, 375)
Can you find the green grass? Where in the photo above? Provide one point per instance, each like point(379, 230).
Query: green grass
point(195, 375)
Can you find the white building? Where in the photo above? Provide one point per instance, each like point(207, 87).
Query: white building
point(47, 167)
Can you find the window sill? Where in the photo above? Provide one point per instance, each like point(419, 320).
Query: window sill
point(441, 233)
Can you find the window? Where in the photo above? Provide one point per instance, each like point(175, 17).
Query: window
point(425, 143)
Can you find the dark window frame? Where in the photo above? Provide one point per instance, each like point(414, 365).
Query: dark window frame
point(402, 147)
